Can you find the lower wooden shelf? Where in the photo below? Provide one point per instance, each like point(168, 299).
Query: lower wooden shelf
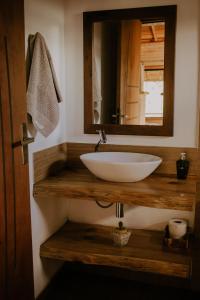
point(92, 244)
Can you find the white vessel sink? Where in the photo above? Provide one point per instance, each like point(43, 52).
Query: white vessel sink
point(120, 166)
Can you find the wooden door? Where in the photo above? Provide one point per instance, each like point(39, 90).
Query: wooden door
point(16, 274)
point(130, 72)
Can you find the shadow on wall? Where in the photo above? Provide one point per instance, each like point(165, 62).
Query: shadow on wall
point(52, 214)
point(137, 217)
point(56, 168)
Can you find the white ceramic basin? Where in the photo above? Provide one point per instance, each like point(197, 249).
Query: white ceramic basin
point(120, 166)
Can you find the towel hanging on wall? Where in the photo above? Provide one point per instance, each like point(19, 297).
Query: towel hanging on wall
point(43, 94)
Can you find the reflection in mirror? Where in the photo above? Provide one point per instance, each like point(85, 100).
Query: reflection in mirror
point(128, 72)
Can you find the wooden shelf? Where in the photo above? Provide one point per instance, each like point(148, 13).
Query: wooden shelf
point(92, 244)
point(155, 191)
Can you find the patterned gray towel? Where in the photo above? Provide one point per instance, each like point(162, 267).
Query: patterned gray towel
point(43, 94)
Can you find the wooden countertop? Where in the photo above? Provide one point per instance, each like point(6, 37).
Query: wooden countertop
point(154, 191)
point(92, 244)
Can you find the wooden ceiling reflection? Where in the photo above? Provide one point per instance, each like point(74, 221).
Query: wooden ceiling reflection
point(153, 32)
point(152, 48)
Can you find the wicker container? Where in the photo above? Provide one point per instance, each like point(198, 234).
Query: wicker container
point(176, 244)
point(121, 237)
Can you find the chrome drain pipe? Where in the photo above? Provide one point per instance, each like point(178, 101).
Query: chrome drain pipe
point(119, 210)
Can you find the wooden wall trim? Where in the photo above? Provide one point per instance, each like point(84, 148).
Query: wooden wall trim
point(49, 161)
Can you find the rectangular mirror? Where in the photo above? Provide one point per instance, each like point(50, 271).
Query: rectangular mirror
point(129, 70)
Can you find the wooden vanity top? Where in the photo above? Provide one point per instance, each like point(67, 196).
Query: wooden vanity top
point(155, 191)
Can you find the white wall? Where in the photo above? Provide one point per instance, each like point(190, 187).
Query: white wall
point(47, 17)
point(186, 102)
point(186, 71)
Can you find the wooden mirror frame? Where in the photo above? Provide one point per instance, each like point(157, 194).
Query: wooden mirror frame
point(150, 14)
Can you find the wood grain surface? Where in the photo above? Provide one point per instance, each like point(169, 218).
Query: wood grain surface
point(16, 266)
point(48, 161)
point(154, 191)
point(92, 244)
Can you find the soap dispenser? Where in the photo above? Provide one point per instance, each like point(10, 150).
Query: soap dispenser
point(182, 167)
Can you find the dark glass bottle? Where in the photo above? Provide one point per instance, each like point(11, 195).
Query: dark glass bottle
point(182, 167)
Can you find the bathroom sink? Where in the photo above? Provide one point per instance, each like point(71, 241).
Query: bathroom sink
point(120, 166)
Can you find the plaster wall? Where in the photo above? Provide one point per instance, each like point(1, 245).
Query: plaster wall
point(47, 17)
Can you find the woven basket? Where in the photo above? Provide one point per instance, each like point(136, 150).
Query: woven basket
point(121, 237)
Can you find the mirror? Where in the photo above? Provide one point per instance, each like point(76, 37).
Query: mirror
point(129, 70)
